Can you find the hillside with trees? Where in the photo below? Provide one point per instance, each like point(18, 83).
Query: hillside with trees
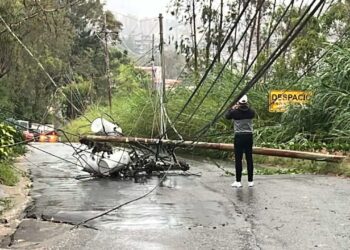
point(67, 37)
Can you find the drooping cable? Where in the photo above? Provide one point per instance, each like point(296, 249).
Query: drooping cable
point(259, 52)
point(277, 52)
point(227, 61)
point(126, 203)
point(191, 55)
point(312, 66)
point(40, 66)
point(203, 78)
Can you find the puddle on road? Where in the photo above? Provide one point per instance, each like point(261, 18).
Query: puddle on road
point(179, 201)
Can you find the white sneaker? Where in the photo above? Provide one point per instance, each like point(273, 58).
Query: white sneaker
point(236, 184)
point(250, 183)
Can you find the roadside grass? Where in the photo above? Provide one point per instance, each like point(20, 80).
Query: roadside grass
point(8, 175)
point(125, 107)
point(276, 165)
point(80, 126)
point(125, 112)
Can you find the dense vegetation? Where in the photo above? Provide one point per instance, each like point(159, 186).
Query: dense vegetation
point(9, 149)
point(64, 37)
point(321, 125)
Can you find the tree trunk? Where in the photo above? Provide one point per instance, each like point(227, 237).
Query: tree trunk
point(209, 39)
point(268, 33)
point(220, 29)
point(270, 25)
point(195, 37)
point(301, 6)
point(258, 27)
point(235, 36)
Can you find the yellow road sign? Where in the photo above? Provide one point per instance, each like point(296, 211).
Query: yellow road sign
point(280, 99)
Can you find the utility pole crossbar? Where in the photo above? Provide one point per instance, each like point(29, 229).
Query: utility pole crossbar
point(220, 146)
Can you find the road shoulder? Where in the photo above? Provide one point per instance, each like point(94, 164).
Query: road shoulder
point(18, 197)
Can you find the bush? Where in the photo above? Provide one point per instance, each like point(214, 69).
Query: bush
point(7, 134)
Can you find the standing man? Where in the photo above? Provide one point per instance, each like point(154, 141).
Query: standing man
point(242, 116)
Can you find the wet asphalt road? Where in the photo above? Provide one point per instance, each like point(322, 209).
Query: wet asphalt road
point(186, 212)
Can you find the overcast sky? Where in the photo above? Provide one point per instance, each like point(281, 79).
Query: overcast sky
point(139, 8)
point(150, 8)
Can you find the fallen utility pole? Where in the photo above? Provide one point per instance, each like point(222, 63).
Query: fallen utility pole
point(220, 146)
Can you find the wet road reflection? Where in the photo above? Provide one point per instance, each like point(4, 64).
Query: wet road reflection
point(246, 196)
point(185, 212)
point(179, 201)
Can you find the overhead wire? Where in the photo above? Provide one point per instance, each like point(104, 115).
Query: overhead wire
point(290, 38)
point(53, 82)
point(220, 113)
point(56, 156)
point(65, 133)
point(76, 149)
point(42, 10)
point(143, 55)
point(125, 203)
point(255, 58)
point(226, 62)
point(272, 31)
point(209, 68)
point(40, 66)
point(15, 144)
point(199, 41)
point(203, 78)
point(77, 94)
point(274, 55)
point(310, 67)
point(114, 208)
point(247, 56)
point(172, 124)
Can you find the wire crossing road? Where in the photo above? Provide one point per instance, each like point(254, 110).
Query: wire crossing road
point(185, 212)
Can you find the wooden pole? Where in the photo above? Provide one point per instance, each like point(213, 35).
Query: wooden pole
point(162, 59)
point(222, 147)
point(107, 64)
point(162, 93)
point(195, 37)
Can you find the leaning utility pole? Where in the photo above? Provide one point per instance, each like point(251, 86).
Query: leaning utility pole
point(162, 95)
point(107, 63)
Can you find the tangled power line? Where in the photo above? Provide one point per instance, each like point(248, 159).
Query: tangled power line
point(309, 12)
point(283, 45)
point(286, 41)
